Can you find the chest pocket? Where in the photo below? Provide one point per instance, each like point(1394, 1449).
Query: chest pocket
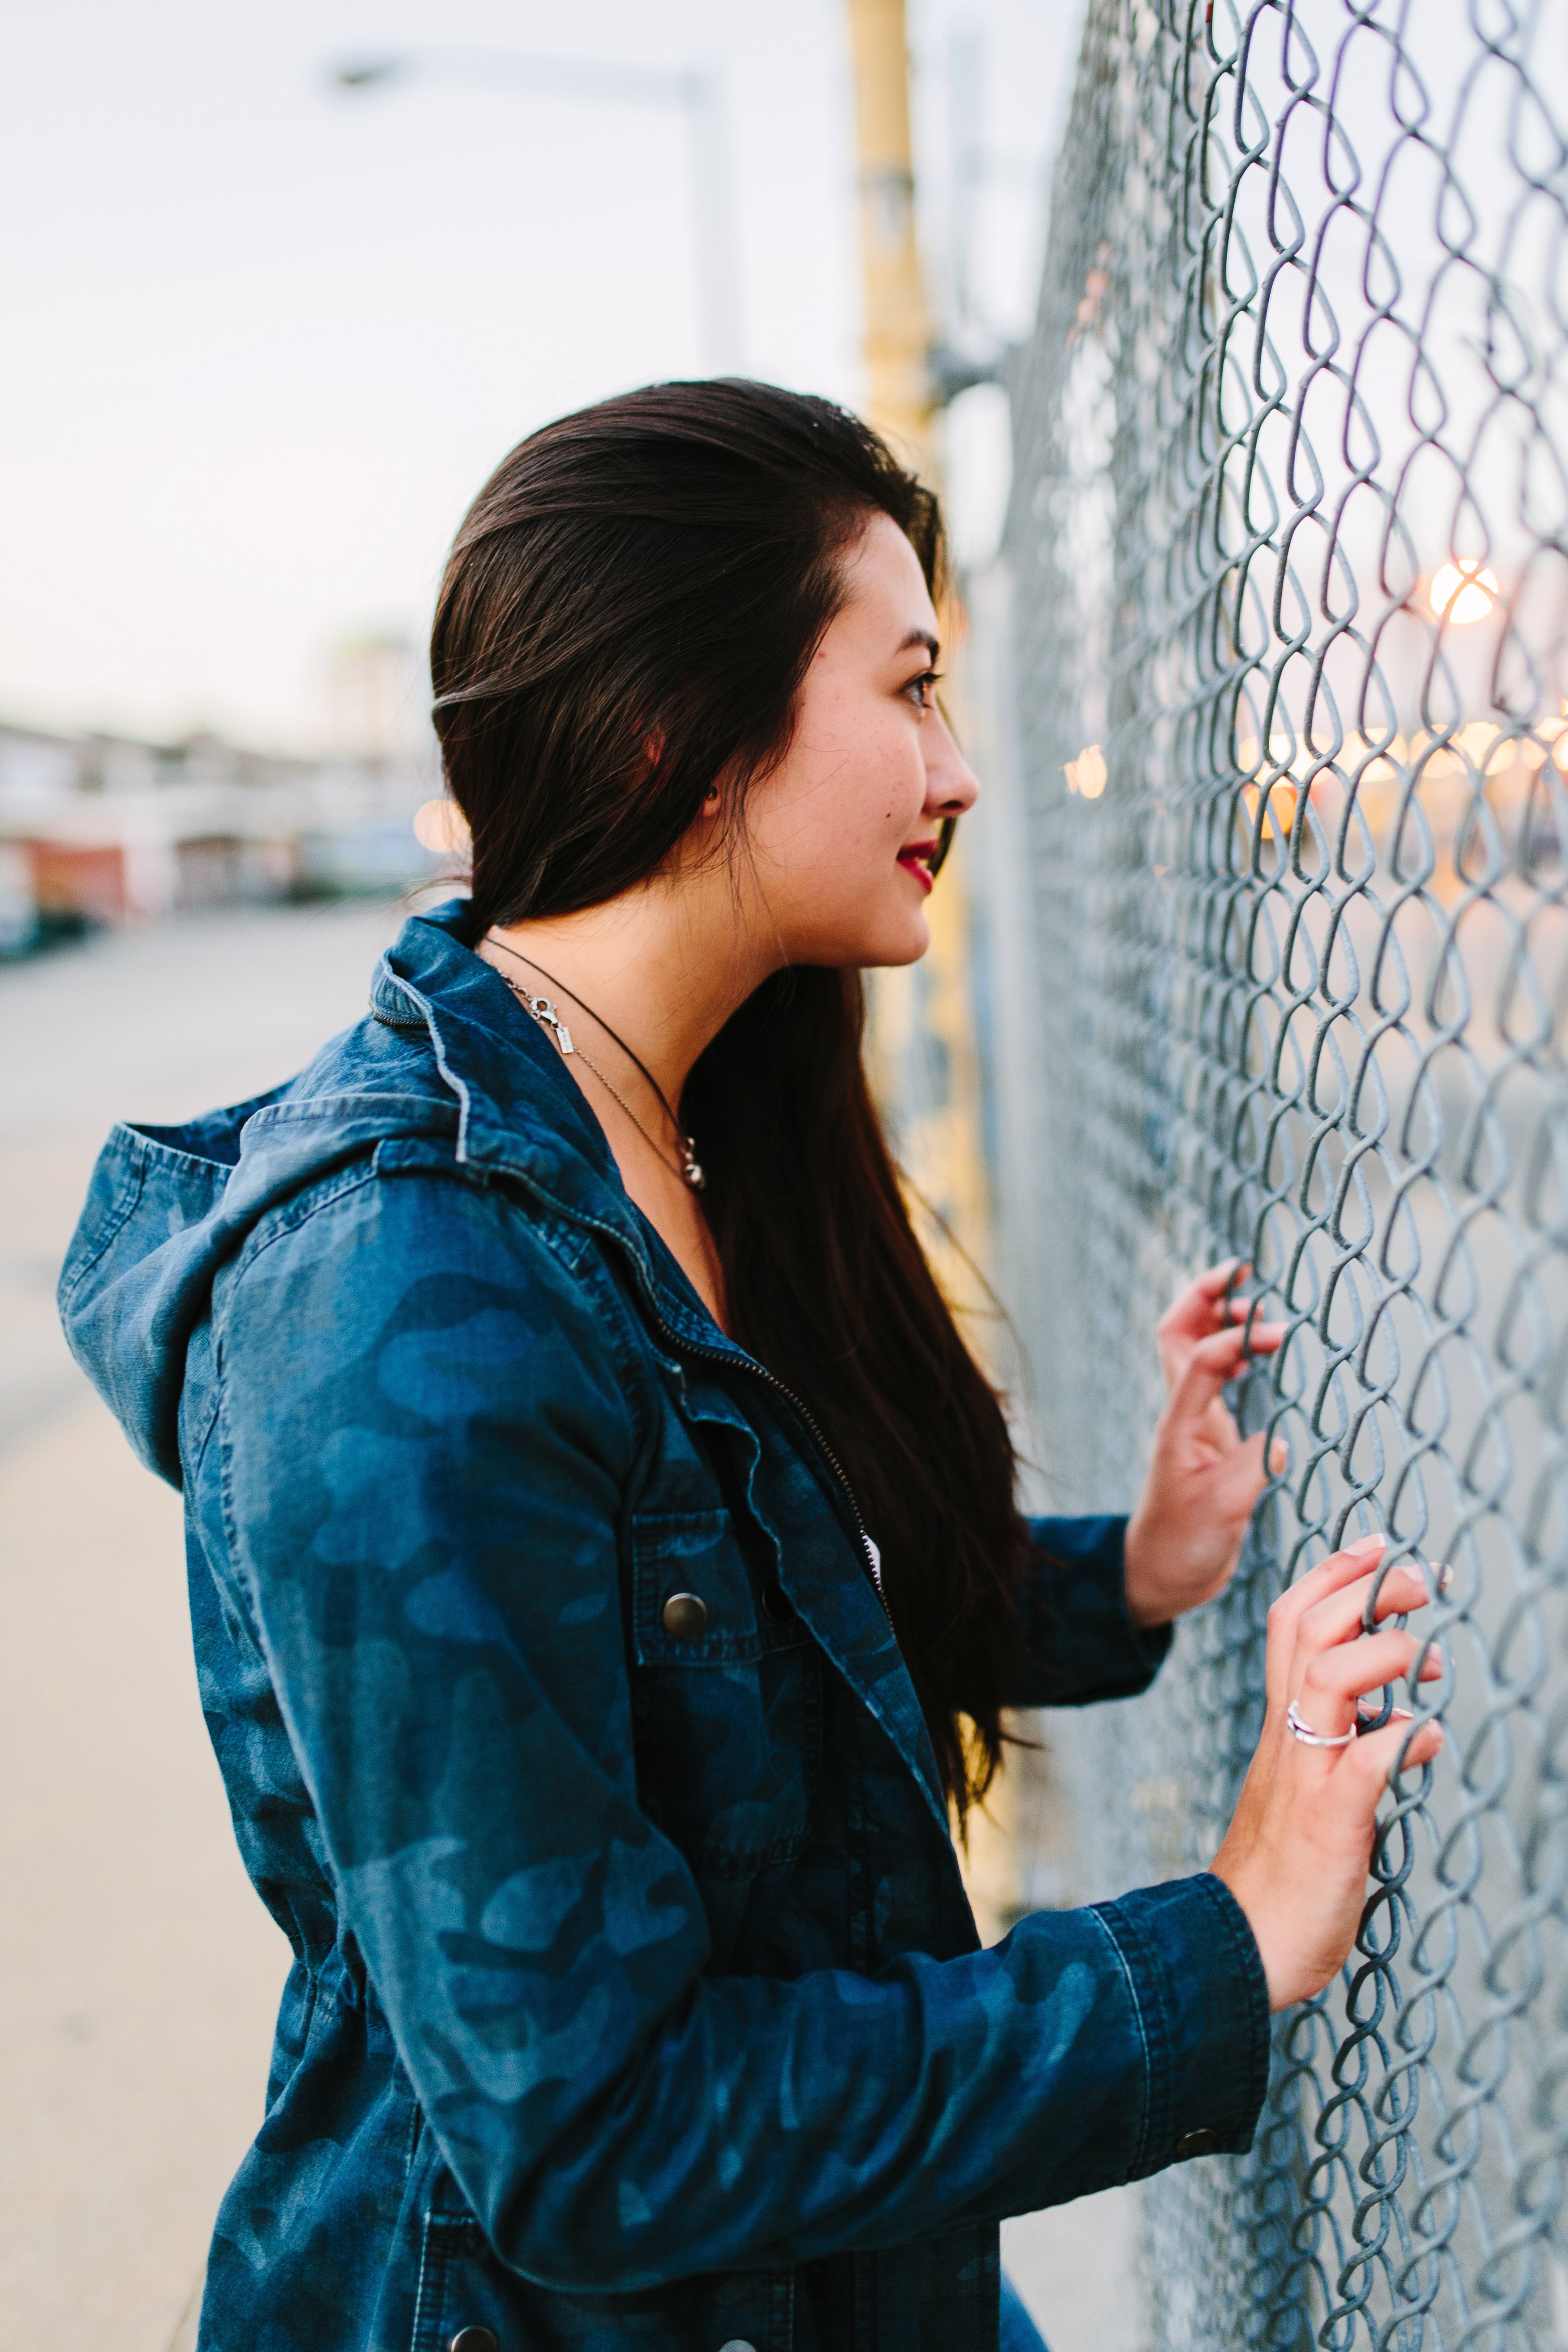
point(727, 1695)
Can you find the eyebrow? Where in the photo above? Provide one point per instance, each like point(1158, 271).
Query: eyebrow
point(922, 637)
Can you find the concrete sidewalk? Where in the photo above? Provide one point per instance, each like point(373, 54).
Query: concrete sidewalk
point(138, 1972)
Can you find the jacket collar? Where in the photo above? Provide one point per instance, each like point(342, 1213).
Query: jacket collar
point(518, 1111)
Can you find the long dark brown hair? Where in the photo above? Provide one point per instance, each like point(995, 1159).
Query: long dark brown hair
point(626, 619)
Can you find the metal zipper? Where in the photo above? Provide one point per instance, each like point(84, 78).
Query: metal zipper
point(761, 1372)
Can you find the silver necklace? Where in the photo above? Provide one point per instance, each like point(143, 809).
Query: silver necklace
point(544, 1013)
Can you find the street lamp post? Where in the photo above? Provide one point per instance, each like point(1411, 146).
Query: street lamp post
point(696, 91)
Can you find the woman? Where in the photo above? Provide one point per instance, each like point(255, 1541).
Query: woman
point(599, 1536)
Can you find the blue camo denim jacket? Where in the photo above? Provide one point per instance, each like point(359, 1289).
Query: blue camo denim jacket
point(636, 1999)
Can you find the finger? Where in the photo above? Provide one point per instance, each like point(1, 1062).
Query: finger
point(1342, 1615)
point(1219, 1427)
point(1376, 1755)
point(1240, 1478)
point(1220, 1430)
point(1237, 1310)
point(1196, 1309)
point(1340, 1567)
point(1213, 1362)
point(1262, 1338)
point(1329, 1687)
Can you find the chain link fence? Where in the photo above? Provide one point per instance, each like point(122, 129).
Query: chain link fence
point(1290, 560)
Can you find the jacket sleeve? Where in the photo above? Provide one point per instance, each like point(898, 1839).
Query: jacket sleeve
point(1079, 1640)
point(427, 1448)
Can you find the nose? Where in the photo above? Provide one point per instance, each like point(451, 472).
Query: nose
point(951, 784)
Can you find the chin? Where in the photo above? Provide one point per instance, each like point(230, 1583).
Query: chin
point(893, 947)
point(882, 938)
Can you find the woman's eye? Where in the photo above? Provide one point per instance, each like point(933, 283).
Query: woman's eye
point(924, 688)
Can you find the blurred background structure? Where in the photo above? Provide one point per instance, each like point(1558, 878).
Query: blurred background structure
point(101, 829)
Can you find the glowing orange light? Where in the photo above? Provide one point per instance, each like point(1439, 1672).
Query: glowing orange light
point(1279, 810)
point(1085, 774)
point(439, 827)
point(1463, 592)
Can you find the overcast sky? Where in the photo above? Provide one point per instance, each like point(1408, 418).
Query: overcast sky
point(263, 342)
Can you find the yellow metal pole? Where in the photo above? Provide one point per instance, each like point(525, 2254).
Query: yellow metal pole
point(897, 326)
point(923, 1052)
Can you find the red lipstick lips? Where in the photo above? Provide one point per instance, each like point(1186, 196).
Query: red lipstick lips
point(916, 859)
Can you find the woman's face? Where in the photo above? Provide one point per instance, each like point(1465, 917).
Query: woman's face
point(841, 834)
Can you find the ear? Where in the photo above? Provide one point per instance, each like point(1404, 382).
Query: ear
point(652, 749)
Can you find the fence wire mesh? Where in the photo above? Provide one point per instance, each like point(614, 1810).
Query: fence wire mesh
point(1289, 547)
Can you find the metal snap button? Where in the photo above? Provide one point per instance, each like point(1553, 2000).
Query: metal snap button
point(475, 2340)
point(776, 1602)
point(737, 2343)
point(1195, 2143)
point(685, 1616)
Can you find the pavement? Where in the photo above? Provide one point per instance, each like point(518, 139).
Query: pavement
point(138, 1974)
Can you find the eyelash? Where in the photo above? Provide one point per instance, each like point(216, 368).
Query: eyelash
point(924, 686)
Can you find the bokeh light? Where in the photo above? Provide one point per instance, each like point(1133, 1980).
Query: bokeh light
point(1463, 592)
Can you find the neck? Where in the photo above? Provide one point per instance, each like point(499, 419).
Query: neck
point(650, 965)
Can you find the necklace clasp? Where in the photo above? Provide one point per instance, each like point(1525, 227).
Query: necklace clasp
point(544, 1013)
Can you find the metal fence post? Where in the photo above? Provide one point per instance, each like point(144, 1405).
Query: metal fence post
point(1290, 559)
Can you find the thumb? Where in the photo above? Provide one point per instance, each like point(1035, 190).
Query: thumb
point(1241, 1477)
point(1375, 1755)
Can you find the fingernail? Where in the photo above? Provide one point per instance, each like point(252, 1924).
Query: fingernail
point(1368, 1544)
point(1396, 1769)
point(1441, 1574)
point(1279, 1456)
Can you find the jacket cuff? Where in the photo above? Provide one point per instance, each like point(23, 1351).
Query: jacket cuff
point(1202, 2011)
point(1149, 1644)
point(1081, 1644)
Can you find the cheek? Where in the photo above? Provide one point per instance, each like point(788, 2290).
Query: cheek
point(853, 853)
point(875, 789)
point(830, 822)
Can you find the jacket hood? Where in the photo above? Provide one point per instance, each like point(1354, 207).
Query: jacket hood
point(445, 1053)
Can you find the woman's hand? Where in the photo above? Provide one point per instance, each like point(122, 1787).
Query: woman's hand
point(1184, 1538)
point(1297, 1855)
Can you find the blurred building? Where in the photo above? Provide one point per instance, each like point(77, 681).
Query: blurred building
point(378, 693)
point(104, 829)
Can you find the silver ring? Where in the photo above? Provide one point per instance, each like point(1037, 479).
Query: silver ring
point(1311, 1739)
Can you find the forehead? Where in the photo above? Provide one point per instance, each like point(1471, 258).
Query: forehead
point(886, 589)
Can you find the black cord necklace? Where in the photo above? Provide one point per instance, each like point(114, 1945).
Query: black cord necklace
point(544, 1013)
